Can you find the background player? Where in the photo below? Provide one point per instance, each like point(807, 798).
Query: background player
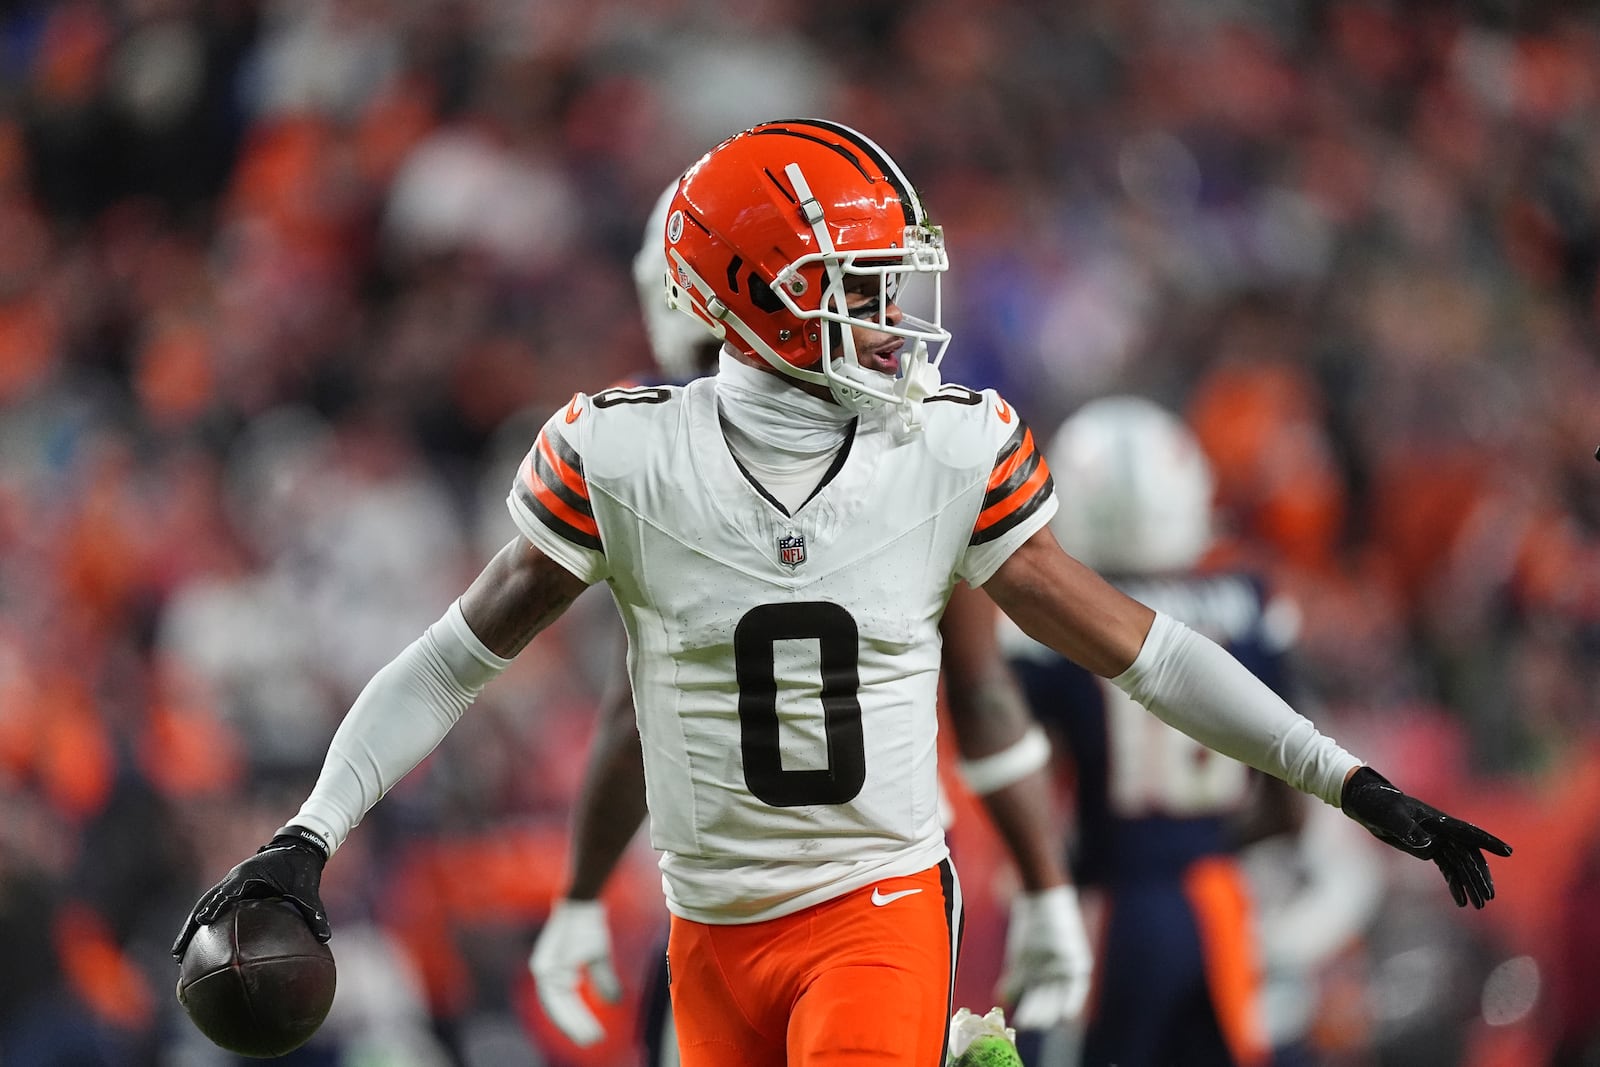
point(1004, 755)
point(786, 714)
point(1157, 814)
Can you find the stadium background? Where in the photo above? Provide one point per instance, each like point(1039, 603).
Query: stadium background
point(285, 286)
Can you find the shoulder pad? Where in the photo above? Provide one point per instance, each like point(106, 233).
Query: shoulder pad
point(619, 429)
point(966, 428)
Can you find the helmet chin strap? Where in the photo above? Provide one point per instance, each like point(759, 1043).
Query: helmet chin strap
point(918, 380)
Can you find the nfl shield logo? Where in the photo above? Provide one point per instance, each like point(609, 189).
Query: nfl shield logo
point(792, 550)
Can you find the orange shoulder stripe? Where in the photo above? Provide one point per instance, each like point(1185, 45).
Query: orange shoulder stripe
point(1008, 466)
point(1023, 494)
point(558, 507)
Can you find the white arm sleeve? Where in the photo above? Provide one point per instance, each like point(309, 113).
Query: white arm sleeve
point(1191, 683)
point(400, 717)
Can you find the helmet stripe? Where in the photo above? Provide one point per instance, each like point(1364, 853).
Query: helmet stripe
point(891, 170)
point(909, 202)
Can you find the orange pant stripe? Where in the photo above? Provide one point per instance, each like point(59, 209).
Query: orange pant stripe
point(1222, 910)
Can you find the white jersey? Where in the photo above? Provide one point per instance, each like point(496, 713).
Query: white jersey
point(784, 667)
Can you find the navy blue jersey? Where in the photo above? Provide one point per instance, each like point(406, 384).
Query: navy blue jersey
point(1151, 800)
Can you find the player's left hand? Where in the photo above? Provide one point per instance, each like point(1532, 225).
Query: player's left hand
point(1048, 962)
point(575, 938)
point(1425, 832)
point(289, 867)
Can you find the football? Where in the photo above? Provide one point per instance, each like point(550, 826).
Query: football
point(257, 981)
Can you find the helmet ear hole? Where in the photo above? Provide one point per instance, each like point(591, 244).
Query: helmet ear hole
point(762, 296)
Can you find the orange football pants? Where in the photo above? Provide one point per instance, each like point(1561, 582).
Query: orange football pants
point(864, 979)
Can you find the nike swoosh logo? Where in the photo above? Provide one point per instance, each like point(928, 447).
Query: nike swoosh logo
point(573, 410)
point(1004, 410)
point(880, 898)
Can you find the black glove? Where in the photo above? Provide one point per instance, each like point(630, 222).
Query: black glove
point(1425, 832)
point(289, 866)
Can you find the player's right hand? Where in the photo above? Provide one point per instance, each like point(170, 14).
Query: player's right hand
point(575, 938)
point(1048, 960)
point(1406, 823)
point(289, 866)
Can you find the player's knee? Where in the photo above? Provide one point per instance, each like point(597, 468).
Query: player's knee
point(868, 1017)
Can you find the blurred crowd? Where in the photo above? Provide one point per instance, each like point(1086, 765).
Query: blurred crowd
point(287, 285)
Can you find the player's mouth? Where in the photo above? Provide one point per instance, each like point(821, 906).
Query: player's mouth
point(885, 358)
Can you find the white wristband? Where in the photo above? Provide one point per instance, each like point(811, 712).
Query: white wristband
point(992, 773)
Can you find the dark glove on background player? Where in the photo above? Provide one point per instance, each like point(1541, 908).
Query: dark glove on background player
point(1424, 831)
point(289, 866)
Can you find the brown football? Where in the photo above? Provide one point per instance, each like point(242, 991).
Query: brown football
point(257, 981)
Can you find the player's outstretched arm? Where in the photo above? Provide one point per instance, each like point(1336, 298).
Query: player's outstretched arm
point(401, 715)
point(576, 938)
point(1193, 684)
point(517, 595)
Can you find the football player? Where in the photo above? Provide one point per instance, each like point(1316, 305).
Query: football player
point(781, 539)
point(1156, 811)
point(1003, 760)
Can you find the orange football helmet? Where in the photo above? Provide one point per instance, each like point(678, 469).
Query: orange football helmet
point(768, 229)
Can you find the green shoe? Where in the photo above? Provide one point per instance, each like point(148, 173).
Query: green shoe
point(982, 1041)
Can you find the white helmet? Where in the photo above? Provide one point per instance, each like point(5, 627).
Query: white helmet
point(1135, 488)
point(676, 340)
